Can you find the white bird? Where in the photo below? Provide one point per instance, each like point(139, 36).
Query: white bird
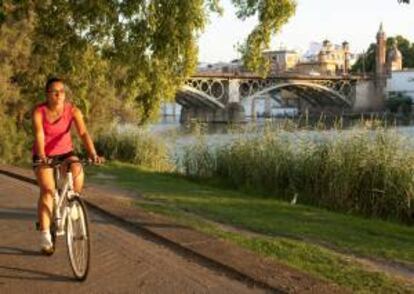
point(295, 198)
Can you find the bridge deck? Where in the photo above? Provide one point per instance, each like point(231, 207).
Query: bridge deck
point(246, 75)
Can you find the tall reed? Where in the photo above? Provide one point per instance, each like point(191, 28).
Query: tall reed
point(135, 146)
point(359, 171)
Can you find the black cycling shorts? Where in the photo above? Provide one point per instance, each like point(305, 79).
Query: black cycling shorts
point(59, 157)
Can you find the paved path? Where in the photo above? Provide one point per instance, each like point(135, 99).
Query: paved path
point(122, 260)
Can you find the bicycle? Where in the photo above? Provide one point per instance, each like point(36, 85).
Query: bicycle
point(69, 217)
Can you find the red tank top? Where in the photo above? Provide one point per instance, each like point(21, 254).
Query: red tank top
point(57, 134)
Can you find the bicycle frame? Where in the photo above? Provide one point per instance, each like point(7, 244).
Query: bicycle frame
point(69, 217)
point(61, 194)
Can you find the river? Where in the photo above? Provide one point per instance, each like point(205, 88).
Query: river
point(177, 135)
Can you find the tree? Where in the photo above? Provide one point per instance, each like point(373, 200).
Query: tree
point(150, 45)
point(272, 16)
point(366, 61)
point(406, 48)
point(404, 45)
point(13, 34)
point(399, 102)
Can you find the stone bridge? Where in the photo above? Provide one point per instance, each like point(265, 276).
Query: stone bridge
point(224, 97)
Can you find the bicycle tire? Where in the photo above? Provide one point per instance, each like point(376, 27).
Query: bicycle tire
point(77, 238)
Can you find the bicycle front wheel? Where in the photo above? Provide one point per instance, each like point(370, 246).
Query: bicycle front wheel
point(77, 238)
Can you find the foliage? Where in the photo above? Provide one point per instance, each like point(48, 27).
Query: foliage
point(272, 14)
point(134, 146)
point(366, 61)
point(13, 142)
point(404, 45)
point(398, 102)
point(120, 59)
point(358, 171)
point(149, 45)
point(407, 50)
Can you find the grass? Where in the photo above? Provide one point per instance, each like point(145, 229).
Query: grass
point(359, 171)
point(136, 146)
point(297, 235)
point(318, 261)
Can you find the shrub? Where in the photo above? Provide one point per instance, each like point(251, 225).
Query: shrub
point(359, 171)
point(398, 102)
point(14, 144)
point(134, 146)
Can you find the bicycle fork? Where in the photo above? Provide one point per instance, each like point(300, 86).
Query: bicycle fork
point(61, 211)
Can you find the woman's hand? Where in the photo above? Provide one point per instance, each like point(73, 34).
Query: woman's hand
point(96, 159)
point(43, 159)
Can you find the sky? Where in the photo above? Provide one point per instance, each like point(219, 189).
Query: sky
point(356, 21)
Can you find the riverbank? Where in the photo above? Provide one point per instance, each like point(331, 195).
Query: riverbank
point(367, 171)
point(326, 244)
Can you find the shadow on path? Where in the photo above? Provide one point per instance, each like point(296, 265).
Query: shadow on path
point(18, 251)
point(18, 213)
point(35, 275)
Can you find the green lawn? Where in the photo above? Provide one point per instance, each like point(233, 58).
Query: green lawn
point(292, 234)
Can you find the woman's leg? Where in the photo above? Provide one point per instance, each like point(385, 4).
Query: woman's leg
point(78, 176)
point(46, 183)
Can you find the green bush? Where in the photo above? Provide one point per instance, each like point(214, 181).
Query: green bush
point(14, 144)
point(398, 102)
point(137, 147)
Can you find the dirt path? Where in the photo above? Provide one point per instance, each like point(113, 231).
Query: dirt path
point(122, 261)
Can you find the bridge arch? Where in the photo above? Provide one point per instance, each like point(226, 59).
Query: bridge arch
point(189, 96)
point(313, 90)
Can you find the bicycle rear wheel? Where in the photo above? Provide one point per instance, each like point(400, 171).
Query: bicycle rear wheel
point(77, 238)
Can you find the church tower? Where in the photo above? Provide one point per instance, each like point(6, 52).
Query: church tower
point(345, 49)
point(380, 64)
point(380, 71)
point(394, 58)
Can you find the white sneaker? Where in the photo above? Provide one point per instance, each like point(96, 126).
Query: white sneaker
point(46, 245)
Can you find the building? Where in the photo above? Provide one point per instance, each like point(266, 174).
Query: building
point(387, 62)
point(235, 66)
point(389, 72)
point(394, 58)
point(380, 54)
point(401, 82)
point(331, 60)
point(397, 81)
point(281, 60)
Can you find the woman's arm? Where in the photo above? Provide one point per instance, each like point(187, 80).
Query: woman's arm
point(83, 134)
point(39, 134)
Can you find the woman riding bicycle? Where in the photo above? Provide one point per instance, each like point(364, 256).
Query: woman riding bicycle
point(52, 121)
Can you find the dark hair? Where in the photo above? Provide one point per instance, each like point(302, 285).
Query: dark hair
point(50, 81)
